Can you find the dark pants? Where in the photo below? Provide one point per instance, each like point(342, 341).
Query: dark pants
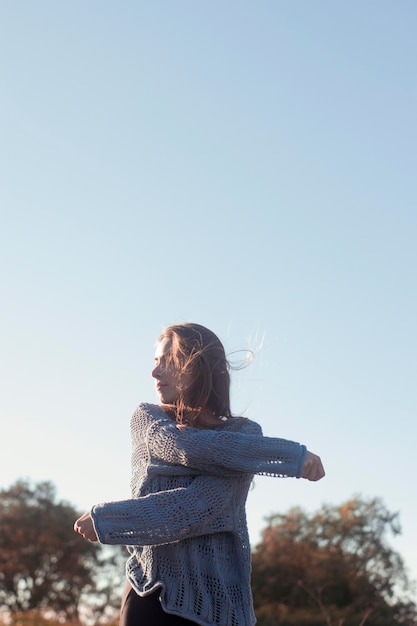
point(147, 611)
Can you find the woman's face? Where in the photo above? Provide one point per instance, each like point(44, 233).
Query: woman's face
point(170, 381)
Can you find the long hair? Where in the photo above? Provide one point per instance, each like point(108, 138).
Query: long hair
point(196, 350)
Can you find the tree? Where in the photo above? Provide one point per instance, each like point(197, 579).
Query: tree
point(335, 567)
point(45, 567)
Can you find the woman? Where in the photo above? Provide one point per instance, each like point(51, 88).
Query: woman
point(192, 466)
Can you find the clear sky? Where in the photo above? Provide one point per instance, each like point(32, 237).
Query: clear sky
point(250, 166)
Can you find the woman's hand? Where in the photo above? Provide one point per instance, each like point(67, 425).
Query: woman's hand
point(84, 526)
point(313, 468)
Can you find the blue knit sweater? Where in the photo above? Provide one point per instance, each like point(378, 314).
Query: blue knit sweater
point(185, 526)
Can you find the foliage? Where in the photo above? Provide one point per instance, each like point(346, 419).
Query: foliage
point(45, 568)
point(32, 618)
point(335, 567)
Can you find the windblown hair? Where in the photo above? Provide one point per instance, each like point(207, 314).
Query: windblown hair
point(196, 350)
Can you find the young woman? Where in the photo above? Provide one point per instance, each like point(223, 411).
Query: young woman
point(192, 466)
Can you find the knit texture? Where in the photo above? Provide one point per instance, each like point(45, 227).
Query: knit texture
point(185, 526)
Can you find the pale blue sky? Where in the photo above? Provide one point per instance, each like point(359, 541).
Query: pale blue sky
point(246, 165)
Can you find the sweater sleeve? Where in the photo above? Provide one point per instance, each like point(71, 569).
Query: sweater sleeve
point(168, 516)
point(225, 452)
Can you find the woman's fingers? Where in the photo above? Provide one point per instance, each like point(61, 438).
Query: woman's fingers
point(313, 468)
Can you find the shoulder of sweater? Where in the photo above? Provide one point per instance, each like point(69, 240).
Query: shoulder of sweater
point(149, 407)
point(146, 414)
point(243, 425)
point(152, 410)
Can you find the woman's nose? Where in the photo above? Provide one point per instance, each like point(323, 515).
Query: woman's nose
point(155, 372)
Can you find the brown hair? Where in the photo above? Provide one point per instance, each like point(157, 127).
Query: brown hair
point(198, 351)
